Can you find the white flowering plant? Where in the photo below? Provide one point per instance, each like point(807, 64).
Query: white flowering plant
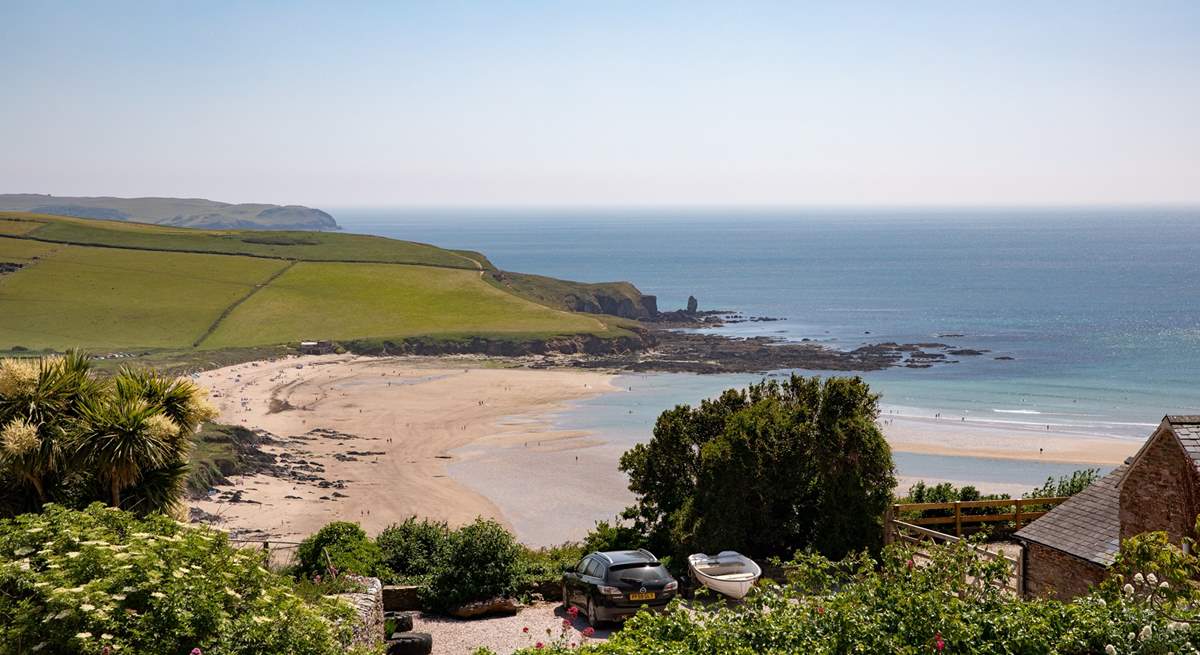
point(104, 581)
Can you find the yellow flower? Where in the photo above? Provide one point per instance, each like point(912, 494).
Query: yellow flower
point(162, 427)
point(17, 376)
point(19, 438)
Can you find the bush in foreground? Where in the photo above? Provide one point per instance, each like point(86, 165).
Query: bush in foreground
point(412, 549)
point(103, 580)
point(339, 547)
point(482, 560)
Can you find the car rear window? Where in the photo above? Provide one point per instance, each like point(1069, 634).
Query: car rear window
point(639, 572)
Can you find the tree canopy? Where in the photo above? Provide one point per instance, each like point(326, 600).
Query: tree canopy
point(767, 470)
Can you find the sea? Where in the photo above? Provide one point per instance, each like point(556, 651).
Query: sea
point(1098, 309)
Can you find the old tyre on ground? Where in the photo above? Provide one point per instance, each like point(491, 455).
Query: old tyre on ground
point(410, 643)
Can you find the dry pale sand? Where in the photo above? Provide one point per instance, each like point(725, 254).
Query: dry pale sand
point(1004, 441)
point(408, 413)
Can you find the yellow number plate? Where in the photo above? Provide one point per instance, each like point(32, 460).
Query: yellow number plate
point(646, 596)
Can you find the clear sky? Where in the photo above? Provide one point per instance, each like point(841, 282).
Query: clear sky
point(604, 103)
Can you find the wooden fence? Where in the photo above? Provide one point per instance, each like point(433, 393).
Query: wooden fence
point(1004, 515)
point(915, 534)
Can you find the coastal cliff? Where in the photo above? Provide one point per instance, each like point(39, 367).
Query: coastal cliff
point(178, 212)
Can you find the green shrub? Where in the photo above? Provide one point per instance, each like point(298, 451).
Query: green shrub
point(413, 548)
point(339, 547)
point(482, 560)
point(80, 581)
point(613, 536)
point(544, 565)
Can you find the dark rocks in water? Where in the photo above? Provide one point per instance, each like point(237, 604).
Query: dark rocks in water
point(966, 352)
point(1004, 358)
point(949, 335)
point(692, 305)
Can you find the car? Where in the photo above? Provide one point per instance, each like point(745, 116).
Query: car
point(614, 585)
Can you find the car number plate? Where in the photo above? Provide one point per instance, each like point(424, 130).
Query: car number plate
point(644, 596)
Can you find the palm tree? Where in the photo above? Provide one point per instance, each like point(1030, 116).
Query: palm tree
point(121, 438)
point(39, 400)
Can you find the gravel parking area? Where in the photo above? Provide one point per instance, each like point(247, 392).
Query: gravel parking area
point(503, 634)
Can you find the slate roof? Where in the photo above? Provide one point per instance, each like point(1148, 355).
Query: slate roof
point(1187, 430)
point(1088, 525)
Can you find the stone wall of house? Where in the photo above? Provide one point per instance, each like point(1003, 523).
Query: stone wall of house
point(369, 627)
point(1161, 490)
point(1051, 573)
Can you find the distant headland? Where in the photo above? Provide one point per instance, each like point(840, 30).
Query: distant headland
point(178, 212)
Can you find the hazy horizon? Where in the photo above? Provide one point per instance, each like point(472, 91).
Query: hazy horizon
point(540, 106)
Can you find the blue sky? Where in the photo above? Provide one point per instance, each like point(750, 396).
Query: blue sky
point(605, 103)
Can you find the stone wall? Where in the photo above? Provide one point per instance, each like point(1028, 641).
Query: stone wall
point(1161, 490)
point(369, 628)
point(1051, 573)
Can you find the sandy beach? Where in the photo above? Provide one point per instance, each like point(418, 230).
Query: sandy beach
point(381, 431)
point(456, 438)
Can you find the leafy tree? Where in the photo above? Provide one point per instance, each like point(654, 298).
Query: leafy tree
point(766, 470)
point(341, 545)
point(1067, 485)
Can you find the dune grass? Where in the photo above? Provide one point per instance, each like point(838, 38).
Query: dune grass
point(105, 299)
point(345, 301)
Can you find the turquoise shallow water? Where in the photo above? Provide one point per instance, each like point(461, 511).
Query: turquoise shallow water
point(1100, 309)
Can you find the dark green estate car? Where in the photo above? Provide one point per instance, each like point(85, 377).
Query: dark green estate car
point(612, 586)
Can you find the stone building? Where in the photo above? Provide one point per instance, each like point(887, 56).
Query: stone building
point(1071, 547)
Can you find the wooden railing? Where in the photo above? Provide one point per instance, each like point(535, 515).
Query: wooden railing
point(915, 534)
point(1013, 514)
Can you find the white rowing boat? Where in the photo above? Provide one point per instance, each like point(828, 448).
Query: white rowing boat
point(728, 572)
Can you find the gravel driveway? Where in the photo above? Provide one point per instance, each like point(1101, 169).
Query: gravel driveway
point(502, 634)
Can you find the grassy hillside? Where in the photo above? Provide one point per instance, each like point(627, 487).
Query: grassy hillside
point(344, 301)
point(137, 286)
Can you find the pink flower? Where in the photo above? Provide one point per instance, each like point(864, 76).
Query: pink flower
point(197, 651)
point(525, 629)
point(938, 644)
point(574, 611)
point(589, 631)
point(566, 624)
point(539, 645)
point(820, 610)
point(911, 564)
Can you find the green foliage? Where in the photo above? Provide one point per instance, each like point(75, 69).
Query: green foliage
point(78, 581)
point(1067, 485)
point(413, 548)
point(340, 547)
point(803, 458)
point(950, 603)
point(70, 437)
point(545, 565)
point(613, 536)
point(482, 561)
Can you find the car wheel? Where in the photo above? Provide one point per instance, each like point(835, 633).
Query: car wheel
point(591, 613)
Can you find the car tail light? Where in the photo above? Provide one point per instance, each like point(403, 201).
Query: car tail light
point(671, 586)
point(609, 591)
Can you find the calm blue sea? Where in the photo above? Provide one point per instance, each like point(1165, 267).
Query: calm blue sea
point(1100, 309)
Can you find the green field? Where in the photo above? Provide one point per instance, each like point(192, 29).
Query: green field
point(344, 301)
point(308, 246)
point(126, 298)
